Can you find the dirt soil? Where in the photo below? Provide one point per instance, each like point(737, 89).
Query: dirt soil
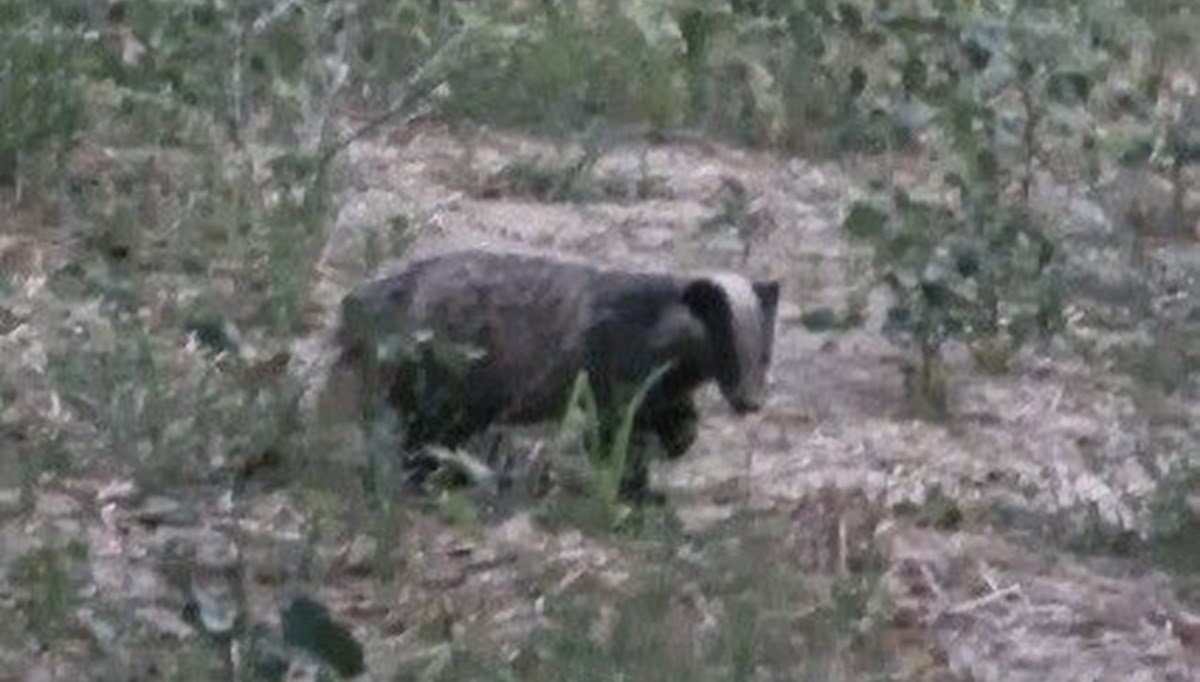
point(1057, 434)
point(974, 591)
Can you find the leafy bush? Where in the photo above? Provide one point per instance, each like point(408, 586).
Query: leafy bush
point(561, 65)
point(49, 579)
point(974, 261)
point(982, 277)
point(163, 405)
point(42, 90)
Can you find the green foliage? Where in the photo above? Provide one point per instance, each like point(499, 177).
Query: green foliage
point(775, 76)
point(820, 320)
point(42, 90)
point(393, 38)
point(561, 65)
point(307, 625)
point(48, 580)
point(199, 243)
point(457, 509)
point(1176, 522)
point(546, 180)
point(152, 403)
point(973, 277)
point(194, 71)
point(817, 76)
point(972, 261)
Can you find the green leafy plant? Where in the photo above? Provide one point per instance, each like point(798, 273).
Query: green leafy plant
point(980, 278)
point(970, 260)
point(612, 454)
point(42, 88)
point(1175, 520)
point(558, 66)
point(47, 581)
point(308, 625)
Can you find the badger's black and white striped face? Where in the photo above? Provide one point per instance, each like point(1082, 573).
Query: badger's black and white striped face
point(740, 318)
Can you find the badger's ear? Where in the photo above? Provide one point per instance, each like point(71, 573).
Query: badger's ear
point(768, 293)
point(706, 301)
point(709, 303)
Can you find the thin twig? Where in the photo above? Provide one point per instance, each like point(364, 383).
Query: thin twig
point(403, 103)
point(264, 23)
point(985, 572)
point(983, 601)
point(336, 74)
point(931, 581)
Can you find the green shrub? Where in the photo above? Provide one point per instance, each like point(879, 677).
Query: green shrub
point(42, 89)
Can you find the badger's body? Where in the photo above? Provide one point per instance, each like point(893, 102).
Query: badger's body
point(537, 321)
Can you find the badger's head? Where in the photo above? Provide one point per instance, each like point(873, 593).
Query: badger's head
point(739, 321)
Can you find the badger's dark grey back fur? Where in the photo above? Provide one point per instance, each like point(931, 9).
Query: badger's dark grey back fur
point(539, 320)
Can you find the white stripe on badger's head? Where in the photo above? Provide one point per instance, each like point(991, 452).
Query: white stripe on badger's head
point(739, 316)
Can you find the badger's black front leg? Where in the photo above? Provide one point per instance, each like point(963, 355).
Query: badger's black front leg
point(635, 472)
point(676, 425)
point(635, 478)
point(439, 404)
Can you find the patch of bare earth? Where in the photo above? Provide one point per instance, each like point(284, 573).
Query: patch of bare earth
point(1055, 436)
point(831, 458)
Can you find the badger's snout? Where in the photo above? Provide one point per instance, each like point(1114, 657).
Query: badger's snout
point(742, 399)
point(742, 406)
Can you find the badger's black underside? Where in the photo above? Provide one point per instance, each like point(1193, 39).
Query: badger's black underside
point(448, 406)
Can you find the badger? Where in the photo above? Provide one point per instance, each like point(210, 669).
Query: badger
point(526, 325)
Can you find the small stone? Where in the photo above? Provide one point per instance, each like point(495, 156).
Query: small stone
point(10, 501)
point(360, 554)
point(789, 312)
point(216, 551)
point(117, 491)
point(215, 606)
point(1187, 628)
point(158, 510)
point(165, 621)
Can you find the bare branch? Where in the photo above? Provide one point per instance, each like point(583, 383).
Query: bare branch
point(264, 23)
point(985, 600)
point(420, 85)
